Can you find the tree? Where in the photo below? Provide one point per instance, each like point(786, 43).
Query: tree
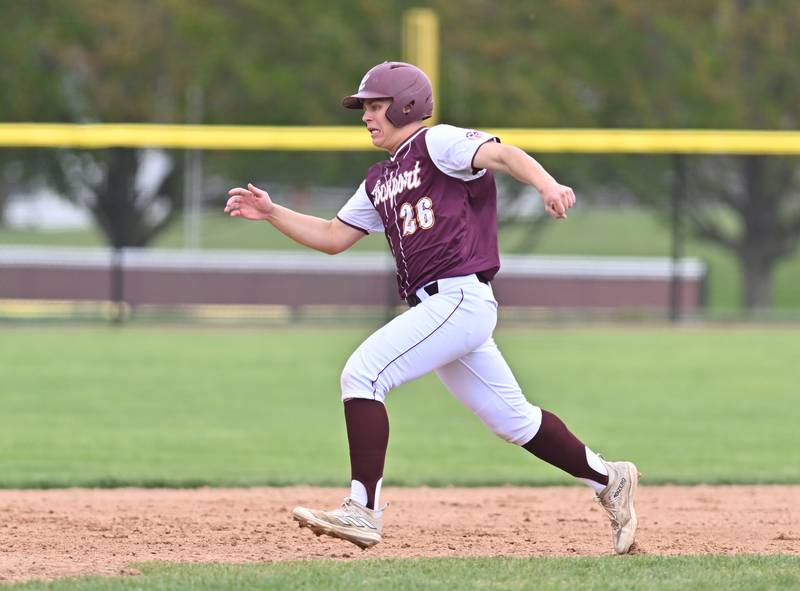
point(28, 91)
point(623, 63)
point(552, 63)
point(759, 83)
point(84, 62)
point(133, 61)
point(763, 193)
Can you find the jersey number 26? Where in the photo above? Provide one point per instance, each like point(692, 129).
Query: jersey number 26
point(419, 216)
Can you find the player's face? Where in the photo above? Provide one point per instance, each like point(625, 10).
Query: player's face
point(383, 133)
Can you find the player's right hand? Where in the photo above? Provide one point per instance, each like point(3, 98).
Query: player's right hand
point(251, 203)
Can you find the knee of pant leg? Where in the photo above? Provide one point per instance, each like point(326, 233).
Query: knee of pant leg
point(511, 433)
point(355, 383)
point(519, 428)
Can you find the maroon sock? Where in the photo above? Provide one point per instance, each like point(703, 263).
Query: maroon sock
point(556, 445)
point(368, 436)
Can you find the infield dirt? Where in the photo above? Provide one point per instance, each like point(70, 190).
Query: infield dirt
point(46, 534)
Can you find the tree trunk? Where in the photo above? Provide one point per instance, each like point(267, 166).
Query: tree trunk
point(118, 198)
point(759, 248)
point(756, 283)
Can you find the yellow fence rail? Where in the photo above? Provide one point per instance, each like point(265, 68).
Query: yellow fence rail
point(225, 137)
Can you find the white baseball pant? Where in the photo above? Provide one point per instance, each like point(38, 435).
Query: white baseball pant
point(449, 333)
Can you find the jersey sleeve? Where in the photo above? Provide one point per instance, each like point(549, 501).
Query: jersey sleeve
point(359, 213)
point(452, 150)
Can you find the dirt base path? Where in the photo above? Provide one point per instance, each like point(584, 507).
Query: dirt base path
point(57, 533)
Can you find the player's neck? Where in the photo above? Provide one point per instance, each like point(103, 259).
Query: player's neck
point(403, 133)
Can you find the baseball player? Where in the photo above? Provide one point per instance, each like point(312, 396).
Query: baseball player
point(435, 200)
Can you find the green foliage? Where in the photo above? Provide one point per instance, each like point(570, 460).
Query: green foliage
point(171, 407)
point(555, 63)
point(616, 63)
point(702, 573)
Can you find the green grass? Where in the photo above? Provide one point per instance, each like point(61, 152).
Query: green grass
point(91, 237)
point(589, 231)
point(746, 573)
point(186, 406)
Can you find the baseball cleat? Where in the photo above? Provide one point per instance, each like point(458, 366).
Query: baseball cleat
point(352, 522)
point(617, 501)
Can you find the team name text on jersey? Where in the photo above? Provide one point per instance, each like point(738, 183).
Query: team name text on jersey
point(387, 191)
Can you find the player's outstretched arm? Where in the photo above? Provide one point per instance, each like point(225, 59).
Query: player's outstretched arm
point(511, 160)
point(329, 236)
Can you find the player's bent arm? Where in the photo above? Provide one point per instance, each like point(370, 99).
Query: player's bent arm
point(328, 236)
point(512, 160)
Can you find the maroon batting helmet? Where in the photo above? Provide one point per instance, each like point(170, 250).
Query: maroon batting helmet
point(407, 86)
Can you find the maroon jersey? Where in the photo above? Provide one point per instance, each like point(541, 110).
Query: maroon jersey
point(438, 213)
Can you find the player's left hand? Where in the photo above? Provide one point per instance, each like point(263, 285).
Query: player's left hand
point(557, 200)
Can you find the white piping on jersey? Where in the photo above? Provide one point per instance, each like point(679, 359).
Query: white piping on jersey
point(408, 142)
point(403, 276)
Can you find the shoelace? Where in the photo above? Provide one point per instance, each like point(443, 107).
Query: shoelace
point(610, 510)
point(346, 508)
point(348, 503)
point(609, 507)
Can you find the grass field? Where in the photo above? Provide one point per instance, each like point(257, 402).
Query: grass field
point(185, 406)
point(711, 573)
point(589, 231)
point(96, 406)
